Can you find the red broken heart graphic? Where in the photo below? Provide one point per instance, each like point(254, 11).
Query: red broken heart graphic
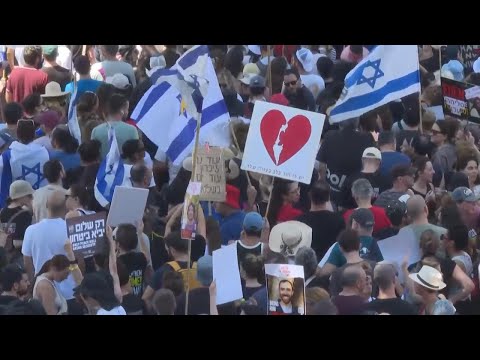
point(293, 138)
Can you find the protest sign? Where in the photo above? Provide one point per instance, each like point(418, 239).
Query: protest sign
point(461, 100)
point(285, 289)
point(283, 142)
point(128, 205)
point(83, 232)
point(210, 171)
point(226, 274)
point(469, 53)
point(190, 210)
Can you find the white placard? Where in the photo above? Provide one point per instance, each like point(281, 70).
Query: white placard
point(226, 274)
point(283, 142)
point(128, 205)
point(473, 92)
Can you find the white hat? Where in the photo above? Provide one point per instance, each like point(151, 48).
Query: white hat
point(254, 49)
point(305, 57)
point(53, 89)
point(372, 153)
point(246, 78)
point(287, 237)
point(120, 81)
point(476, 66)
point(429, 278)
point(156, 62)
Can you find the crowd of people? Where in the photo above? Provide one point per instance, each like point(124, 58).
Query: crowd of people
point(397, 168)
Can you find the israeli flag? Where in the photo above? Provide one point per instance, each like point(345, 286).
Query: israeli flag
point(167, 114)
point(388, 73)
point(22, 162)
point(73, 125)
point(110, 173)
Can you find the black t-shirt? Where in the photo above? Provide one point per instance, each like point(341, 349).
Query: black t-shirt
point(391, 306)
point(133, 305)
point(198, 302)
point(19, 224)
point(136, 264)
point(6, 300)
point(379, 183)
point(243, 250)
point(249, 291)
point(326, 226)
point(341, 160)
point(405, 135)
point(302, 99)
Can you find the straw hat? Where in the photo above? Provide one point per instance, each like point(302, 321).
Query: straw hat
point(53, 89)
point(287, 237)
point(429, 278)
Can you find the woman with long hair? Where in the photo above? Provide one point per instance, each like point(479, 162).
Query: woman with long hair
point(87, 107)
point(443, 136)
point(469, 166)
point(56, 269)
point(285, 194)
point(424, 177)
point(65, 148)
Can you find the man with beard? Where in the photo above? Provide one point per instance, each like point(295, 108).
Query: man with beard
point(15, 284)
point(297, 94)
point(285, 291)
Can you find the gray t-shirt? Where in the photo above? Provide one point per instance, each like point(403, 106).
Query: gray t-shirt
point(116, 67)
point(445, 157)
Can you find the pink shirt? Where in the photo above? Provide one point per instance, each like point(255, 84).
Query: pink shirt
point(347, 55)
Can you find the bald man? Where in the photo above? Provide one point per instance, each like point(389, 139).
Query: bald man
point(47, 238)
point(417, 212)
point(350, 301)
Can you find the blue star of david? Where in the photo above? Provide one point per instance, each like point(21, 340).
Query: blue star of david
point(35, 170)
point(371, 80)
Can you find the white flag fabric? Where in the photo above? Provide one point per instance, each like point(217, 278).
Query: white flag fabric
point(388, 73)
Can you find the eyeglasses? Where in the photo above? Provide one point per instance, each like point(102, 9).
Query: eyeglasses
point(291, 83)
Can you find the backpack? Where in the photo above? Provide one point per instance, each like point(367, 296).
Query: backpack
point(190, 273)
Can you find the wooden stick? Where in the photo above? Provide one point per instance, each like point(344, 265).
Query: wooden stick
point(269, 67)
point(194, 164)
point(269, 199)
point(238, 147)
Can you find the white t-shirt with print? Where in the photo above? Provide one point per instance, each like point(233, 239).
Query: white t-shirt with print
point(119, 310)
point(314, 83)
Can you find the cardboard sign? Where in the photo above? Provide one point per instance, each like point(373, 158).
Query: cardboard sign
point(190, 210)
point(283, 142)
point(285, 289)
point(210, 171)
point(83, 232)
point(469, 53)
point(128, 205)
point(226, 274)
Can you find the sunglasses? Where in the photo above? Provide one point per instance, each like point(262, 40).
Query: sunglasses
point(291, 83)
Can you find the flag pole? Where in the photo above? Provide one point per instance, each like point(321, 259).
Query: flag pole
point(238, 147)
point(194, 165)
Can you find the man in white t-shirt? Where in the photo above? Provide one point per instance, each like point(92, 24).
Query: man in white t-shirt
point(303, 61)
point(46, 239)
point(111, 65)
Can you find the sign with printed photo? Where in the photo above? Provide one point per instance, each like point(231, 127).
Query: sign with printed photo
point(283, 142)
point(461, 100)
point(210, 171)
point(285, 289)
point(83, 232)
point(190, 210)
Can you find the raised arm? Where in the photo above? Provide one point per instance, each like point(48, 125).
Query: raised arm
point(74, 269)
point(112, 264)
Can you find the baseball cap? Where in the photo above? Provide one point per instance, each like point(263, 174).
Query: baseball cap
point(253, 222)
point(49, 119)
point(364, 217)
point(120, 81)
point(402, 170)
point(205, 270)
point(463, 193)
point(20, 188)
point(254, 49)
point(49, 49)
point(372, 153)
point(247, 78)
point(305, 57)
point(257, 82)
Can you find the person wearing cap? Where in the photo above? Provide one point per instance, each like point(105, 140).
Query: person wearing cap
point(244, 90)
point(55, 99)
point(402, 176)
point(48, 120)
point(390, 157)
point(111, 65)
point(304, 62)
point(371, 160)
point(467, 204)
point(121, 84)
point(26, 80)
point(298, 95)
point(50, 66)
point(257, 93)
point(231, 223)
point(98, 296)
point(427, 284)
point(385, 277)
point(198, 298)
point(288, 237)
point(362, 192)
point(84, 82)
point(396, 212)
point(250, 237)
point(362, 221)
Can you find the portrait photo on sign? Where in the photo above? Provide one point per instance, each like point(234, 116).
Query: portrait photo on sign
point(282, 142)
point(190, 211)
point(285, 289)
point(474, 106)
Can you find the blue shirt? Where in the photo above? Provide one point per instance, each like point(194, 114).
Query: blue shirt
point(69, 161)
point(231, 227)
point(84, 86)
point(369, 250)
point(391, 159)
